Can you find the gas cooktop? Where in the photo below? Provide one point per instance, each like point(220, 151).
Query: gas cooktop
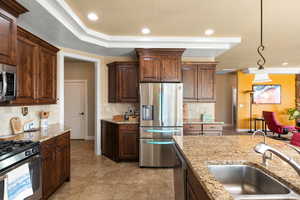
point(11, 148)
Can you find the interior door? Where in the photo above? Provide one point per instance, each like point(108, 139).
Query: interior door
point(75, 108)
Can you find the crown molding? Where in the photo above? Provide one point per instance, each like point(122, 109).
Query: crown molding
point(65, 15)
point(275, 70)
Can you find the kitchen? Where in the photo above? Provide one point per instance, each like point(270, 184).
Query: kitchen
point(158, 130)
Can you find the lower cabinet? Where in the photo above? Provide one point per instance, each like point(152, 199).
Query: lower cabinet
point(55, 154)
point(120, 141)
point(203, 129)
point(186, 185)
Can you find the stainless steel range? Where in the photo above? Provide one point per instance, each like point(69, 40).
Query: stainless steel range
point(161, 118)
point(16, 154)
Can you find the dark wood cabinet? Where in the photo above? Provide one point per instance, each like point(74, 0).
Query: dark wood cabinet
point(123, 82)
point(160, 65)
point(208, 129)
point(9, 11)
point(36, 70)
point(120, 141)
point(128, 142)
point(26, 71)
point(55, 154)
point(190, 82)
point(195, 190)
point(8, 38)
point(46, 76)
point(199, 82)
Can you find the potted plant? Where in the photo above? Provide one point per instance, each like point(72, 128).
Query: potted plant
point(294, 114)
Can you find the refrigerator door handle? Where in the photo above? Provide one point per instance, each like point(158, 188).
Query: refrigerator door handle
point(162, 106)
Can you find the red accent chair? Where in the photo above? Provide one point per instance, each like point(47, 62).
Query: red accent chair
point(296, 139)
point(275, 126)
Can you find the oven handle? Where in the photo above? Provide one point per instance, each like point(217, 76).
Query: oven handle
point(4, 78)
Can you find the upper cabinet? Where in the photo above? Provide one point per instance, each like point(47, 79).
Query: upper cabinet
point(36, 70)
point(160, 65)
point(9, 11)
point(199, 81)
point(123, 84)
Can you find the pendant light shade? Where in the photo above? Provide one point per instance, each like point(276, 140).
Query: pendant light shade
point(261, 76)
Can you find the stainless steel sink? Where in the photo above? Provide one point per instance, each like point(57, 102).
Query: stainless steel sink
point(245, 182)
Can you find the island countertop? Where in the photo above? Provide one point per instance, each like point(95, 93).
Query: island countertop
point(201, 151)
point(40, 135)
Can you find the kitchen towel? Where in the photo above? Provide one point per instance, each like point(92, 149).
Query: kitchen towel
point(19, 184)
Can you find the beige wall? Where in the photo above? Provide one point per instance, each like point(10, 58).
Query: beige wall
point(196, 109)
point(224, 83)
point(78, 70)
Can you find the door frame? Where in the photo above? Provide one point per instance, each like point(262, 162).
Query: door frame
point(60, 91)
point(84, 82)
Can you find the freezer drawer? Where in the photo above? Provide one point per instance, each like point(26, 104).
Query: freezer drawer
point(160, 132)
point(157, 153)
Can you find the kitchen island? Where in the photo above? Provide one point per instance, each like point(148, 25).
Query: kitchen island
point(199, 152)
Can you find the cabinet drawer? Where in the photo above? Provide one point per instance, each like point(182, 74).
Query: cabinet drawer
point(129, 127)
point(192, 127)
point(48, 147)
point(212, 127)
point(189, 133)
point(212, 133)
point(62, 140)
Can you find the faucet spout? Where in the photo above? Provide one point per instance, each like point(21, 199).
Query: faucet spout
point(260, 131)
point(263, 149)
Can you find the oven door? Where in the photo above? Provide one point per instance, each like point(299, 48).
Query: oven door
point(34, 163)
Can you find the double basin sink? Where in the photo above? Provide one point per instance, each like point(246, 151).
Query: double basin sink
point(244, 182)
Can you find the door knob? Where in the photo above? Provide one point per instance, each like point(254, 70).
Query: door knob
point(82, 113)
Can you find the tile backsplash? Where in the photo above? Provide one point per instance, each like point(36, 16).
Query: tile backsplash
point(111, 109)
point(194, 110)
point(6, 113)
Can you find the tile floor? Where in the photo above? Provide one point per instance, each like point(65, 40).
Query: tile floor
point(98, 178)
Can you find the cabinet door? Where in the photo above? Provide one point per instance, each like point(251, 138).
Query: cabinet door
point(107, 139)
point(61, 160)
point(26, 71)
point(170, 69)
point(127, 77)
point(48, 167)
point(8, 38)
point(206, 81)
point(46, 77)
point(150, 68)
point(190, 82)
point(128, 143)
point(190, 195)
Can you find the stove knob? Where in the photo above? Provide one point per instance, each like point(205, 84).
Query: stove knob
point(28, 153)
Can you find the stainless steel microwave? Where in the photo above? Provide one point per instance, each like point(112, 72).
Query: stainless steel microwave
point(8, 82)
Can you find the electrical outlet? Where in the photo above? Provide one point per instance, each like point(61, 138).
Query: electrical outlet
point(24, 111)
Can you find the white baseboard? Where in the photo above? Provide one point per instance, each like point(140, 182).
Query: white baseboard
point(89, 137)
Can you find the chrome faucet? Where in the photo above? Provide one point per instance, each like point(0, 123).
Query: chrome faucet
point(263, 149)
point(264, 134)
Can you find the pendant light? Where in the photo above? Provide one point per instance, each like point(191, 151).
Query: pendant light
point(261, 75)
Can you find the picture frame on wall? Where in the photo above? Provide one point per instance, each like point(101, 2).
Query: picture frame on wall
point(266, 94)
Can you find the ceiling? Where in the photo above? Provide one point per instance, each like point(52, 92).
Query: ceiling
point(190, 18)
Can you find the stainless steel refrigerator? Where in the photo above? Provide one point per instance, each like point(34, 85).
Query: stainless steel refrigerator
point(160, 119)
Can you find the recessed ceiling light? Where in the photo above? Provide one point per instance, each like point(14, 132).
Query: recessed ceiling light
point(209, 31)
point(92, 16)
point(285, 63)
point(146, 31)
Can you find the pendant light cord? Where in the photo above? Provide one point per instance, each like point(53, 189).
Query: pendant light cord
point(261, 62)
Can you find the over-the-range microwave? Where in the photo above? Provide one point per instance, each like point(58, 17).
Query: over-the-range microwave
point(8, 82)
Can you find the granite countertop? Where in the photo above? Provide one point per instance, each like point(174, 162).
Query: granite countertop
point(200, 151)
point(40, 135)
point(120, 122)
